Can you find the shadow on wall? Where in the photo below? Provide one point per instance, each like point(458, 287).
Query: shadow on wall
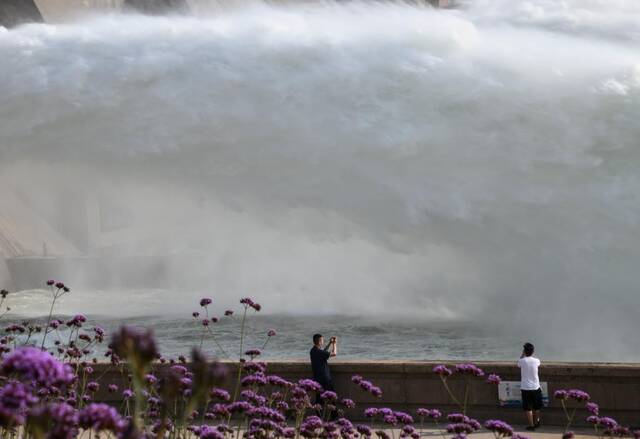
point(153, 7)
point(15, 12)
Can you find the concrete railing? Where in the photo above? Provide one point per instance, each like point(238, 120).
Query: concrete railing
point(409, 385)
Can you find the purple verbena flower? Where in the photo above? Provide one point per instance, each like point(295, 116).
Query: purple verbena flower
point(15, 400)
point(220, 394)
point(442, 370)
point(494, 379)
point(310, 385)
point(578, 395)
point(348, 403)
point(99, 417)
point(205, 301)
point(560, 394)
point(32, 364)
point(499, 428)
point(370, 412)
point(271, 333)
point(404, 418)
point(608, 422)
point(136, 343)
point(328, 395)
point(58, 419)
point(469, 369)
point(592, 408)
point(253, 353)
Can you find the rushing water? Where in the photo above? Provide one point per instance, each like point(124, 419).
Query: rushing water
point(383, 160)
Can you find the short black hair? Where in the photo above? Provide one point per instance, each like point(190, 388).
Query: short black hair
point(528, 349)
point(316, 338)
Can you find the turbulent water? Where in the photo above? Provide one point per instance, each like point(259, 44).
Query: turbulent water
point(382, 160)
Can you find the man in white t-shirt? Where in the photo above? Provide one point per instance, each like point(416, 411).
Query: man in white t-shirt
point(530, 386)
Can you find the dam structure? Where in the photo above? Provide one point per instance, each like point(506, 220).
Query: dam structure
point(393, 161)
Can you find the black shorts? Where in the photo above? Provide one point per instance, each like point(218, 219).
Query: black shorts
point(531, 399)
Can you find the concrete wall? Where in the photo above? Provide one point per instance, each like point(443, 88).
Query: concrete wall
point(15, 12)
point(409, 385)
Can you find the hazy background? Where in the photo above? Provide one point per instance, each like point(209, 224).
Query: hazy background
point(475, 166)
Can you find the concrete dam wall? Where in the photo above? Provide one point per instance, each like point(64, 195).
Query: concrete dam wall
point(407, 386)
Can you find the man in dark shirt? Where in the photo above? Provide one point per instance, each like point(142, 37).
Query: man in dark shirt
point(319, 356)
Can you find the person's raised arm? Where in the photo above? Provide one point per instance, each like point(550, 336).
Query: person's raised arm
point(334, 346)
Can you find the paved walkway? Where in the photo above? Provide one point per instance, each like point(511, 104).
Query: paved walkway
point(544, 432)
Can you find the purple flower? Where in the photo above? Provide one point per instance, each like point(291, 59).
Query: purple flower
point(578, 395)
point(112, 388)
point(257, 379)
point(205, 322)
point(228, 313)
point(15, 400)
point(500, 428)
point(329, 395)
point(592, 408)
point(288, 432)
point(128, 394)
point(239, 407)
point(51, 282)
point(100, 417)
point(608, 422)
point(442, 370)
point(494, 379)
point(382, 434)
point(32, 364)
point(93, 386)
point(209, 432)
point(457, 417)
point(404, 418)
point(77, 321)
point(560, 394)
point(150, 379)
point(371, 412)
point(621, 431)
point(348, 403)
point(59, 285)
point(129, 341)
point(253, 353)
point(195, 314)
point(204, 302)
point(246, 301)
point(356, 379)
point(364, 430)
point(220, 394)
point(271, 333)
point(375, 391)
point(310, 385)
point(59, 420)
point(277, 381)
point(429, 413)
point(390, 419)
point(459, 428)
point(593, 419)
point(469, 369)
